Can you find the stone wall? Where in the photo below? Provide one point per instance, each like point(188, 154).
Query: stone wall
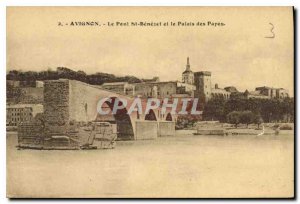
point(30, 132)
point(83, 101)
point(163, 89)
point(56, 107)
point(203, 85)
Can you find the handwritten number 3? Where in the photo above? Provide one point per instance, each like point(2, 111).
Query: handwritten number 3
point(273, 34)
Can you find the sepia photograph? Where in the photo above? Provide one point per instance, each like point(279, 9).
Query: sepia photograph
point(150, 102)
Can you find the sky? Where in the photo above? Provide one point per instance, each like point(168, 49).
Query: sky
point(238, 53)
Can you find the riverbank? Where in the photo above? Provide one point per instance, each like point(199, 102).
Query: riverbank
point(217, 128)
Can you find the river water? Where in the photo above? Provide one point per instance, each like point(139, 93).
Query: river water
point(180, 166)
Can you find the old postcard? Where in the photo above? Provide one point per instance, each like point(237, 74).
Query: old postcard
point(150, 102)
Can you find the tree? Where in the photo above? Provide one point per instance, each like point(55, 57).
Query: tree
point(187, 121)
point(66, 73)
point(246, 117)
point(214, 110)
point(234, 118)
point(257, 120)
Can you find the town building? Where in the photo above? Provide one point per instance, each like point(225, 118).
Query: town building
point(120, 88)
point(231, 89)
point(254, 94)
point(22, 92)
point(234, 93)
point(194, 84)
point(202, 81)
point(162, 89)
point(282, 93)
point(154, 88)
point(272, 92)
point(220, 93)
point(17, 113)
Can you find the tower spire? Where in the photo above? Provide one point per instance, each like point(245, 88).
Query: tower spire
point(188, 75)
point(188, 64)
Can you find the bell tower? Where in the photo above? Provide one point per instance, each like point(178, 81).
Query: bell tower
point(188, 75)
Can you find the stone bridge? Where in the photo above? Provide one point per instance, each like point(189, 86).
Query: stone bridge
point(68, 101)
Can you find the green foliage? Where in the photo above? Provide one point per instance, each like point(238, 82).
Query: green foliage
point(246, 117)
point(257, 120)
point(66, 73)
point(234, 118)
point(269, 110)
point(214, 110)
point(186, 121)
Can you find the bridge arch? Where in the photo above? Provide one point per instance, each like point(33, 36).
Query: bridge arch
point(121, 118)
point(169, 117)
point(151, 116)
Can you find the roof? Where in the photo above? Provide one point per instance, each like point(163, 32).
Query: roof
point(206, 73)
point(23, 105)
point(257, 93)
point(263, 87)
point(187, 71)
point(231, 89)
point(114, 83)
point(153, 82)
point(219, 91)
point(181, 96)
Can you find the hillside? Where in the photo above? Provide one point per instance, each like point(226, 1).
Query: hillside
point(63, 72)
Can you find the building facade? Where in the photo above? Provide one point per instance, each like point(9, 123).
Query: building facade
point(15, 114)
point(203, 85)
point(279, 93)
point(254, 94)
point(218, 93)
point(120, 88)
